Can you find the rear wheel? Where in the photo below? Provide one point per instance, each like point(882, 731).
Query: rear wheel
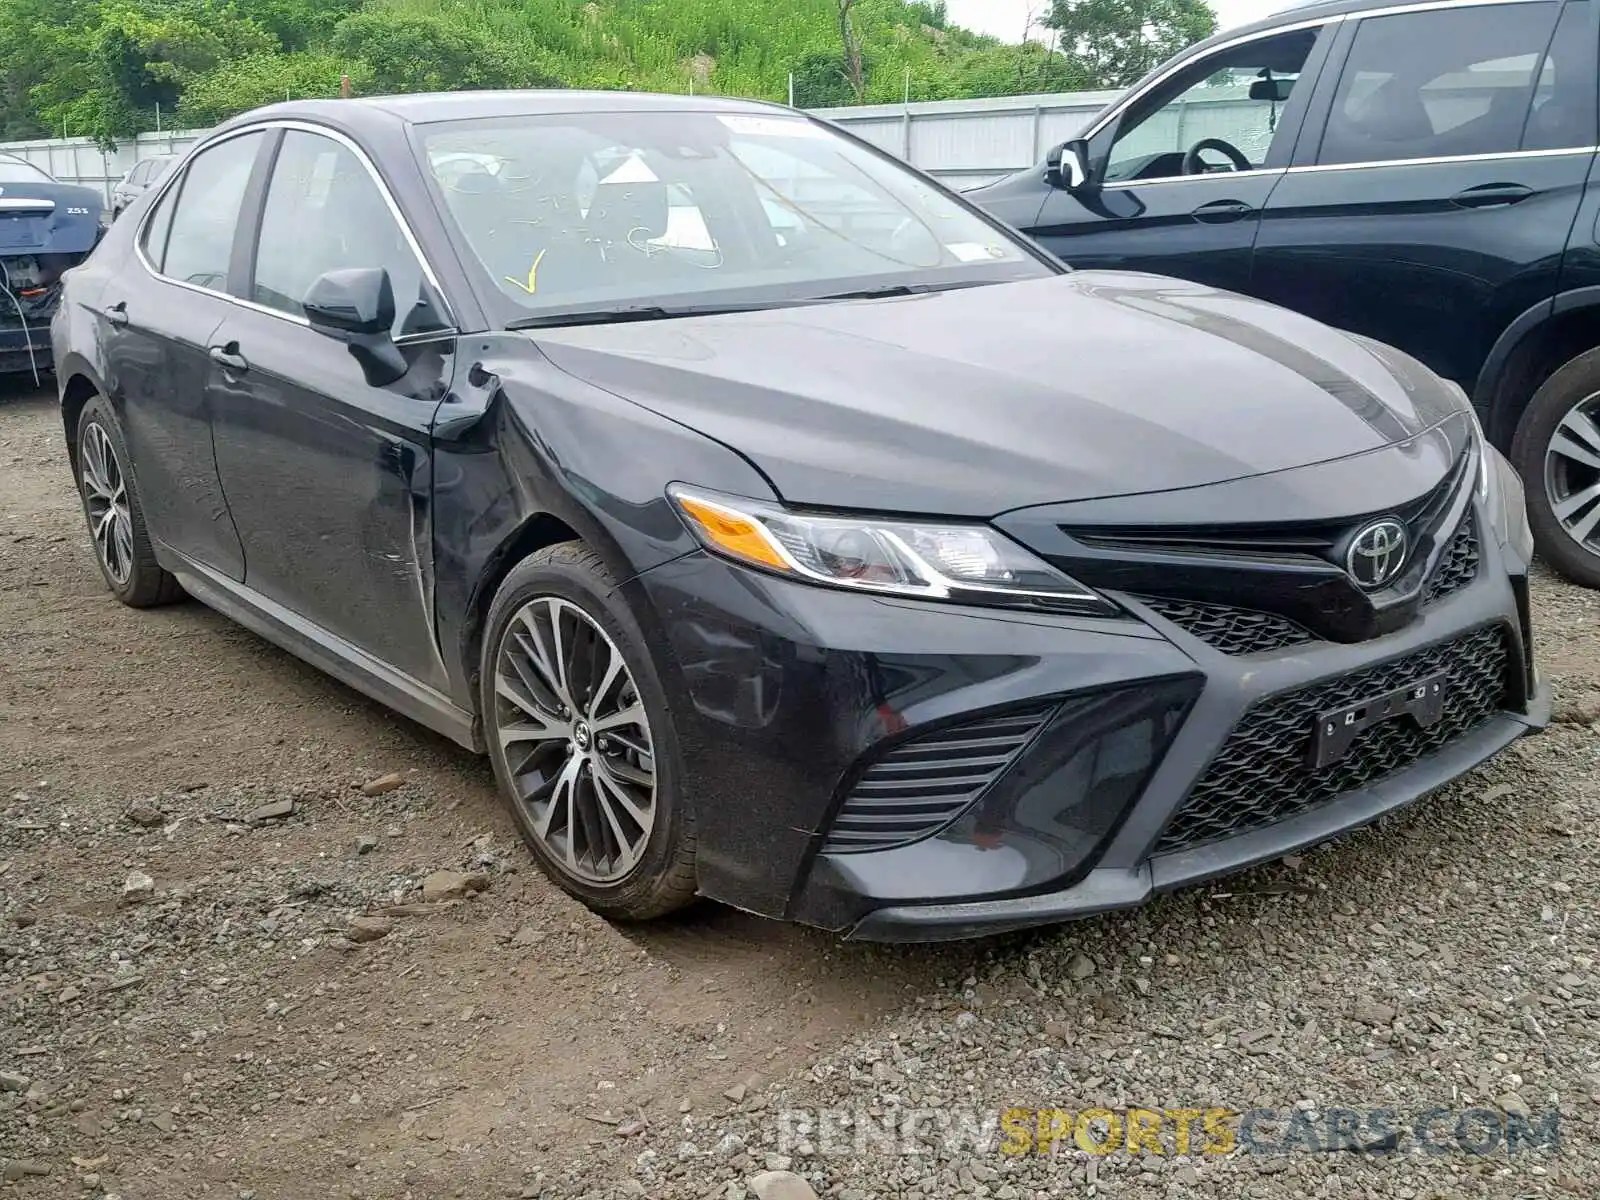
point(1557, 452)
point(116, 519)
point(582, 743)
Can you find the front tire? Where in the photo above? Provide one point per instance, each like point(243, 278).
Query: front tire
point(116, 518)
point(581, 739)
point(1557, 452)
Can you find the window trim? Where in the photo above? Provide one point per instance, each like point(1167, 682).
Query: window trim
point(1500, 156)
point(180, 172)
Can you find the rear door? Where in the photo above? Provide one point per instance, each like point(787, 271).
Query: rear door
point(1179, 177)
point(158, 330)
point(1436, 182)
point(328, 478)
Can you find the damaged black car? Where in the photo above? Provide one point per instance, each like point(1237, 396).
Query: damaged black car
point(46, 228)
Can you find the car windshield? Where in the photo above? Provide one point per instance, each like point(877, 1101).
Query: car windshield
point(584, 210)
point(15, 170)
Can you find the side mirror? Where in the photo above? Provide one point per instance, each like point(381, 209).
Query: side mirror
point(355, 305)
point(1068, 165)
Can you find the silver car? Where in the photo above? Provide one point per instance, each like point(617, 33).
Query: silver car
point(132, 185)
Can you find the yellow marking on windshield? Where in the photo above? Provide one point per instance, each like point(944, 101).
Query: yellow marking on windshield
point(533, 276)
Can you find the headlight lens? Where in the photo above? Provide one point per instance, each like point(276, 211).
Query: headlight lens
point(932, 560)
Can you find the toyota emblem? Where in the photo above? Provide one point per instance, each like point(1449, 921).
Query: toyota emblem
point(1377, 554)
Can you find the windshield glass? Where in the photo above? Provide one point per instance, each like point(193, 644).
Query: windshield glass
point(580, 210)
point(15, 170)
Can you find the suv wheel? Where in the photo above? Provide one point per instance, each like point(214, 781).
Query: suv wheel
point(116, 518)
point(1557, 452)
point(581, 740)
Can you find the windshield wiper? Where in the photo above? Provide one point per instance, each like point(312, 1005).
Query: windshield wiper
point(908, 289)
point(636, 312)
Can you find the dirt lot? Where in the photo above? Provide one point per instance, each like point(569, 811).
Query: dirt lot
point(219, 1037)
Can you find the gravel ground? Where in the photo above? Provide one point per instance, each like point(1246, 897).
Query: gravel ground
point(259, 938)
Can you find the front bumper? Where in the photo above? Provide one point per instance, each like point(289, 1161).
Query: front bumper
point(789, 698)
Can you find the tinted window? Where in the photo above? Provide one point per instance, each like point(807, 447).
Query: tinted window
point(154, 237)
point(140, 173)
point(324, 212)
point(207, 213)
point(590, 209)
point(1236, 96)
point(15, 170)
point(1564, 108)
point(1440, 83)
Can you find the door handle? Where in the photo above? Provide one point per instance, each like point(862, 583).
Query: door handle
point(229, 358)
point(1221, 212)
point(1491, 195)
point(117, 314)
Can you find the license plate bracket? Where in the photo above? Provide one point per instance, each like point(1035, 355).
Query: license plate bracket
point(1421, 701)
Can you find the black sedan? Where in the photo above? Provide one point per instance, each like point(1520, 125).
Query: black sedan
point(784, 529)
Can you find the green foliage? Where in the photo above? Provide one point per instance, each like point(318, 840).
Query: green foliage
point(1117, 42)
point(102, 67)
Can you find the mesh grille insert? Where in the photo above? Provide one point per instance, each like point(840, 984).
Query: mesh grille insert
point(1231, 630)
point(1458, 566)
point(1262, 773)
point(923, 784)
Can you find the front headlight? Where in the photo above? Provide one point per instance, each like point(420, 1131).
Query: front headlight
point(930, 560)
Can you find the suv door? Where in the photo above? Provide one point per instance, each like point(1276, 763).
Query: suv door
point(1437, 179)
point(1178, 178)
point(156, 336)
point(329, 478)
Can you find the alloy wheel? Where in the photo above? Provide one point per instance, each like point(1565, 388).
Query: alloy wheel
point(1572, 473)
point(105, 496)
point(574, 740)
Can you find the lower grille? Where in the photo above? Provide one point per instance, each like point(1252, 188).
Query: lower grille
point(1231, 630)
point(1458, 566)
point(1263, 774)
point(925, 783)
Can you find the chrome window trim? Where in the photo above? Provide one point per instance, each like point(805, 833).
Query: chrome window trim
point(1502, 156)
point(1254, 172)
point(181, 169)
point(1120, 106)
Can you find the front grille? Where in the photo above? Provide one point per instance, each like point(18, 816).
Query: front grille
point(925, 783)
point(1231, 630)
point(1458, 566)
point(1263, 774)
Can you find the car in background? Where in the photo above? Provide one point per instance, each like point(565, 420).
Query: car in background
point(1417, 173)
point(46, 228)
point(784, 529)
point(144, 174)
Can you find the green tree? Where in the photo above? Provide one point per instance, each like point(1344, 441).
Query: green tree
point(407, 52)
point(1116, 42)
point(821, 81)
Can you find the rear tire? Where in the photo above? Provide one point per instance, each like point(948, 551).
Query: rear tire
point(116, 518)
point(583, 745)
point(1564, 414)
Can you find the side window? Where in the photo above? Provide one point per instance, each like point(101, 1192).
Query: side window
point(206, 213)
point(154, 238)
point(324, 212)
point(140, 170)
point(1235, 97)
point(1441, 83)
point(1564, 109)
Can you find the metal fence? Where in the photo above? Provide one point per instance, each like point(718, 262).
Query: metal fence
point(963, 142)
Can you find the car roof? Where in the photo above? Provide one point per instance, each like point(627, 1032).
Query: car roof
point(1310, 10)
point(425, 107)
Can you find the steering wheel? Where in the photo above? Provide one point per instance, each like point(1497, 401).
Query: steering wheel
point(1194, 165)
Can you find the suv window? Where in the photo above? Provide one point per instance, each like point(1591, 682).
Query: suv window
point(200, 241)
point(1236, 96)
point(1445, 82)
point(325, 212)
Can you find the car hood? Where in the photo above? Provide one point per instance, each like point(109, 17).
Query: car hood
point(980, 400)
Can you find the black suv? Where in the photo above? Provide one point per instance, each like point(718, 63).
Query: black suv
point(1417, 173)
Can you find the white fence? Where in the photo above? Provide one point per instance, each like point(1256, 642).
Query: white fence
point(963, 142)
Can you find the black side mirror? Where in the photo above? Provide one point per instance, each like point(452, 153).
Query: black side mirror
point(1068, 165)
point(355, 305)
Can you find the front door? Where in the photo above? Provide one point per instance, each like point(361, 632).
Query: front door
point(155, 355)
point(329, 479)
point(1179, 178)
point(1437, 180)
